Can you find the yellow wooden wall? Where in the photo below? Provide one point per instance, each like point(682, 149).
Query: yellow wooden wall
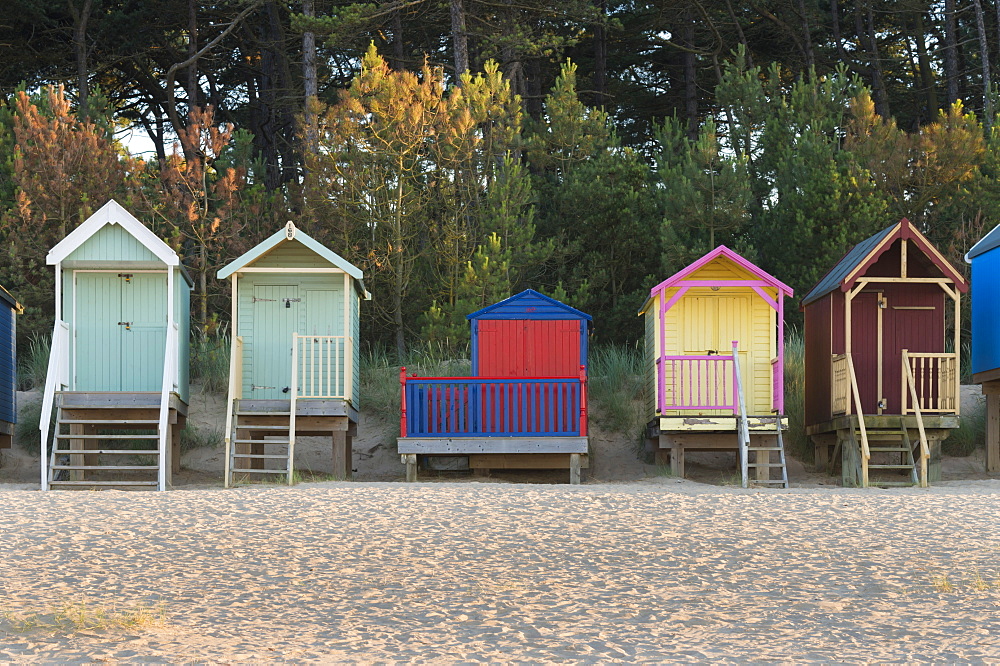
point(704, 320)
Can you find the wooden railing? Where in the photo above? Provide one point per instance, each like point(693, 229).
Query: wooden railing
point(56, 379)
point(323, 363)
point(703, 382)
point(935, 383)
point(910, 386)
point(777, 386)
point(493, 406)
point(170, 361)
point(235, 393)
point(840, 385)
point(866, 452)
point(743, 428)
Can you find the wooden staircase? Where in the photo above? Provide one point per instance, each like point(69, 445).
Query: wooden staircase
point(760, 458)
point(104, 445)
point(892, 462)
point(262, 444)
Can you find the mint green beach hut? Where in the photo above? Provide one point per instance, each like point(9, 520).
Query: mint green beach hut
point(294, 361)
point(119, 357)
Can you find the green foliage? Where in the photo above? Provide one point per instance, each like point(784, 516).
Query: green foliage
point(210, 360)
point(33, 364)
point(706, 195)
point(797, 444)
point(969, 435)
point(616, 388)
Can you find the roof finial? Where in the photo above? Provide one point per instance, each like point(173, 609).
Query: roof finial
point(289, 230)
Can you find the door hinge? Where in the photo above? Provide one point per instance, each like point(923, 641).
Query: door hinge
point(254, 387)
point(270, 300)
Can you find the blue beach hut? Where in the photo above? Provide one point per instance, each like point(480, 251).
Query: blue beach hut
point(9, 309)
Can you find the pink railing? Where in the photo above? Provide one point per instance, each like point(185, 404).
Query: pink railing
point(777, 386)
point(697, 382)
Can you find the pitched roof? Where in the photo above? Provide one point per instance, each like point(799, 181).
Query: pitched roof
point(287, 234)
point(6, 297)
point(847, 271)
point(725, 252)
point(112, 213)
point(529, 304)
point(985, 244)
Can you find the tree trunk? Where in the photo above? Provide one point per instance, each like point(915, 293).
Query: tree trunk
point(951, 51)
point(742, 36)
point(397, 40)
point(807, 37)
point(192, 72)
point(600, 56)
point(309, 79)
point(80, 19)
point(985, 57)
point(926, 74)
point(460, 39)
point(864, 23)
point(690, 81)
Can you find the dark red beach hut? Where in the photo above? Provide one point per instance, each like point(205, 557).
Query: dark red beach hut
point(880, 379)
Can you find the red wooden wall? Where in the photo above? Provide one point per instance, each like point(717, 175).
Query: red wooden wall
point(529, 348)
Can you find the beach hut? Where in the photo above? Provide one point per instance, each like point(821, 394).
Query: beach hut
point(985, 260)
point(296, 309)
point(882, 389)
point(119, 357)
point(715, 365)
point(9, 309)
point(525, 406)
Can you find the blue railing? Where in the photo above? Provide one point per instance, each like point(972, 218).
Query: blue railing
point(493, 407)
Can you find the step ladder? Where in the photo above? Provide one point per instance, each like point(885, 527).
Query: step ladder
point(761, 460)
point(262, 446)
point(89, 449)
point(890, 443)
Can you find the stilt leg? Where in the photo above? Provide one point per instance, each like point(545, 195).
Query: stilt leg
point(574, 469)
point(341, 457)
point(993, 432)
point(410, 460)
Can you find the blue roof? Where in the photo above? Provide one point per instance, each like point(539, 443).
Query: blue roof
point(529, 304)
point(831, 281)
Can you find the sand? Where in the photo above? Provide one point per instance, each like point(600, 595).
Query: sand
point(630, 566)
point(652, 571)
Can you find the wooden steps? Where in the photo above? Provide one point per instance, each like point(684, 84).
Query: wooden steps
point(260, 449)
point(760, 461)
point(892, 463)
point(90, 445)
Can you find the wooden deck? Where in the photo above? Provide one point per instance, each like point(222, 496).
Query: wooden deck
point(671, 437)
point(487, 453)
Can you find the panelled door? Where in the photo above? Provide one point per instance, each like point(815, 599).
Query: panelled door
point(120, 331)
point(275, 318)
point(866, 345)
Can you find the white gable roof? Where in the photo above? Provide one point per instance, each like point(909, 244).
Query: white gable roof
point(112, 213)
point(288, 233)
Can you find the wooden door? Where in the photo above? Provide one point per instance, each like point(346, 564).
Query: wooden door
point(914, 320)
point(501, 348)
point(866, 341)
point(144, 338)
point(275, 318)
point(552, 348)
point(97, 343)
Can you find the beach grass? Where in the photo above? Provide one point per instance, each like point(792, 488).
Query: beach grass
point(71, 617)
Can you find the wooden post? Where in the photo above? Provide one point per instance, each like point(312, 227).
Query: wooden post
point(76, 459)
point(993, 432)
point(677, 459)
point(175, 449)
point(341, 455)
point(410, 460)
point(574, 469)
point(402, 405)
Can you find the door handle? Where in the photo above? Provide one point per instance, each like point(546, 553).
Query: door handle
point(126, 324)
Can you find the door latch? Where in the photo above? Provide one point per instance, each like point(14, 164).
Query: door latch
point(126, 324)
point(127, 276)
point(289, 301)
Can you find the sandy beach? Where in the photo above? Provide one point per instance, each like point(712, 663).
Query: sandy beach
point(658, 570)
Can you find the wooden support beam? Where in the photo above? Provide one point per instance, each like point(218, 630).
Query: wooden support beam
point(902, 258)
point(574, 469)
point(410, 460)
point(993, 432)
point(342, 455)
